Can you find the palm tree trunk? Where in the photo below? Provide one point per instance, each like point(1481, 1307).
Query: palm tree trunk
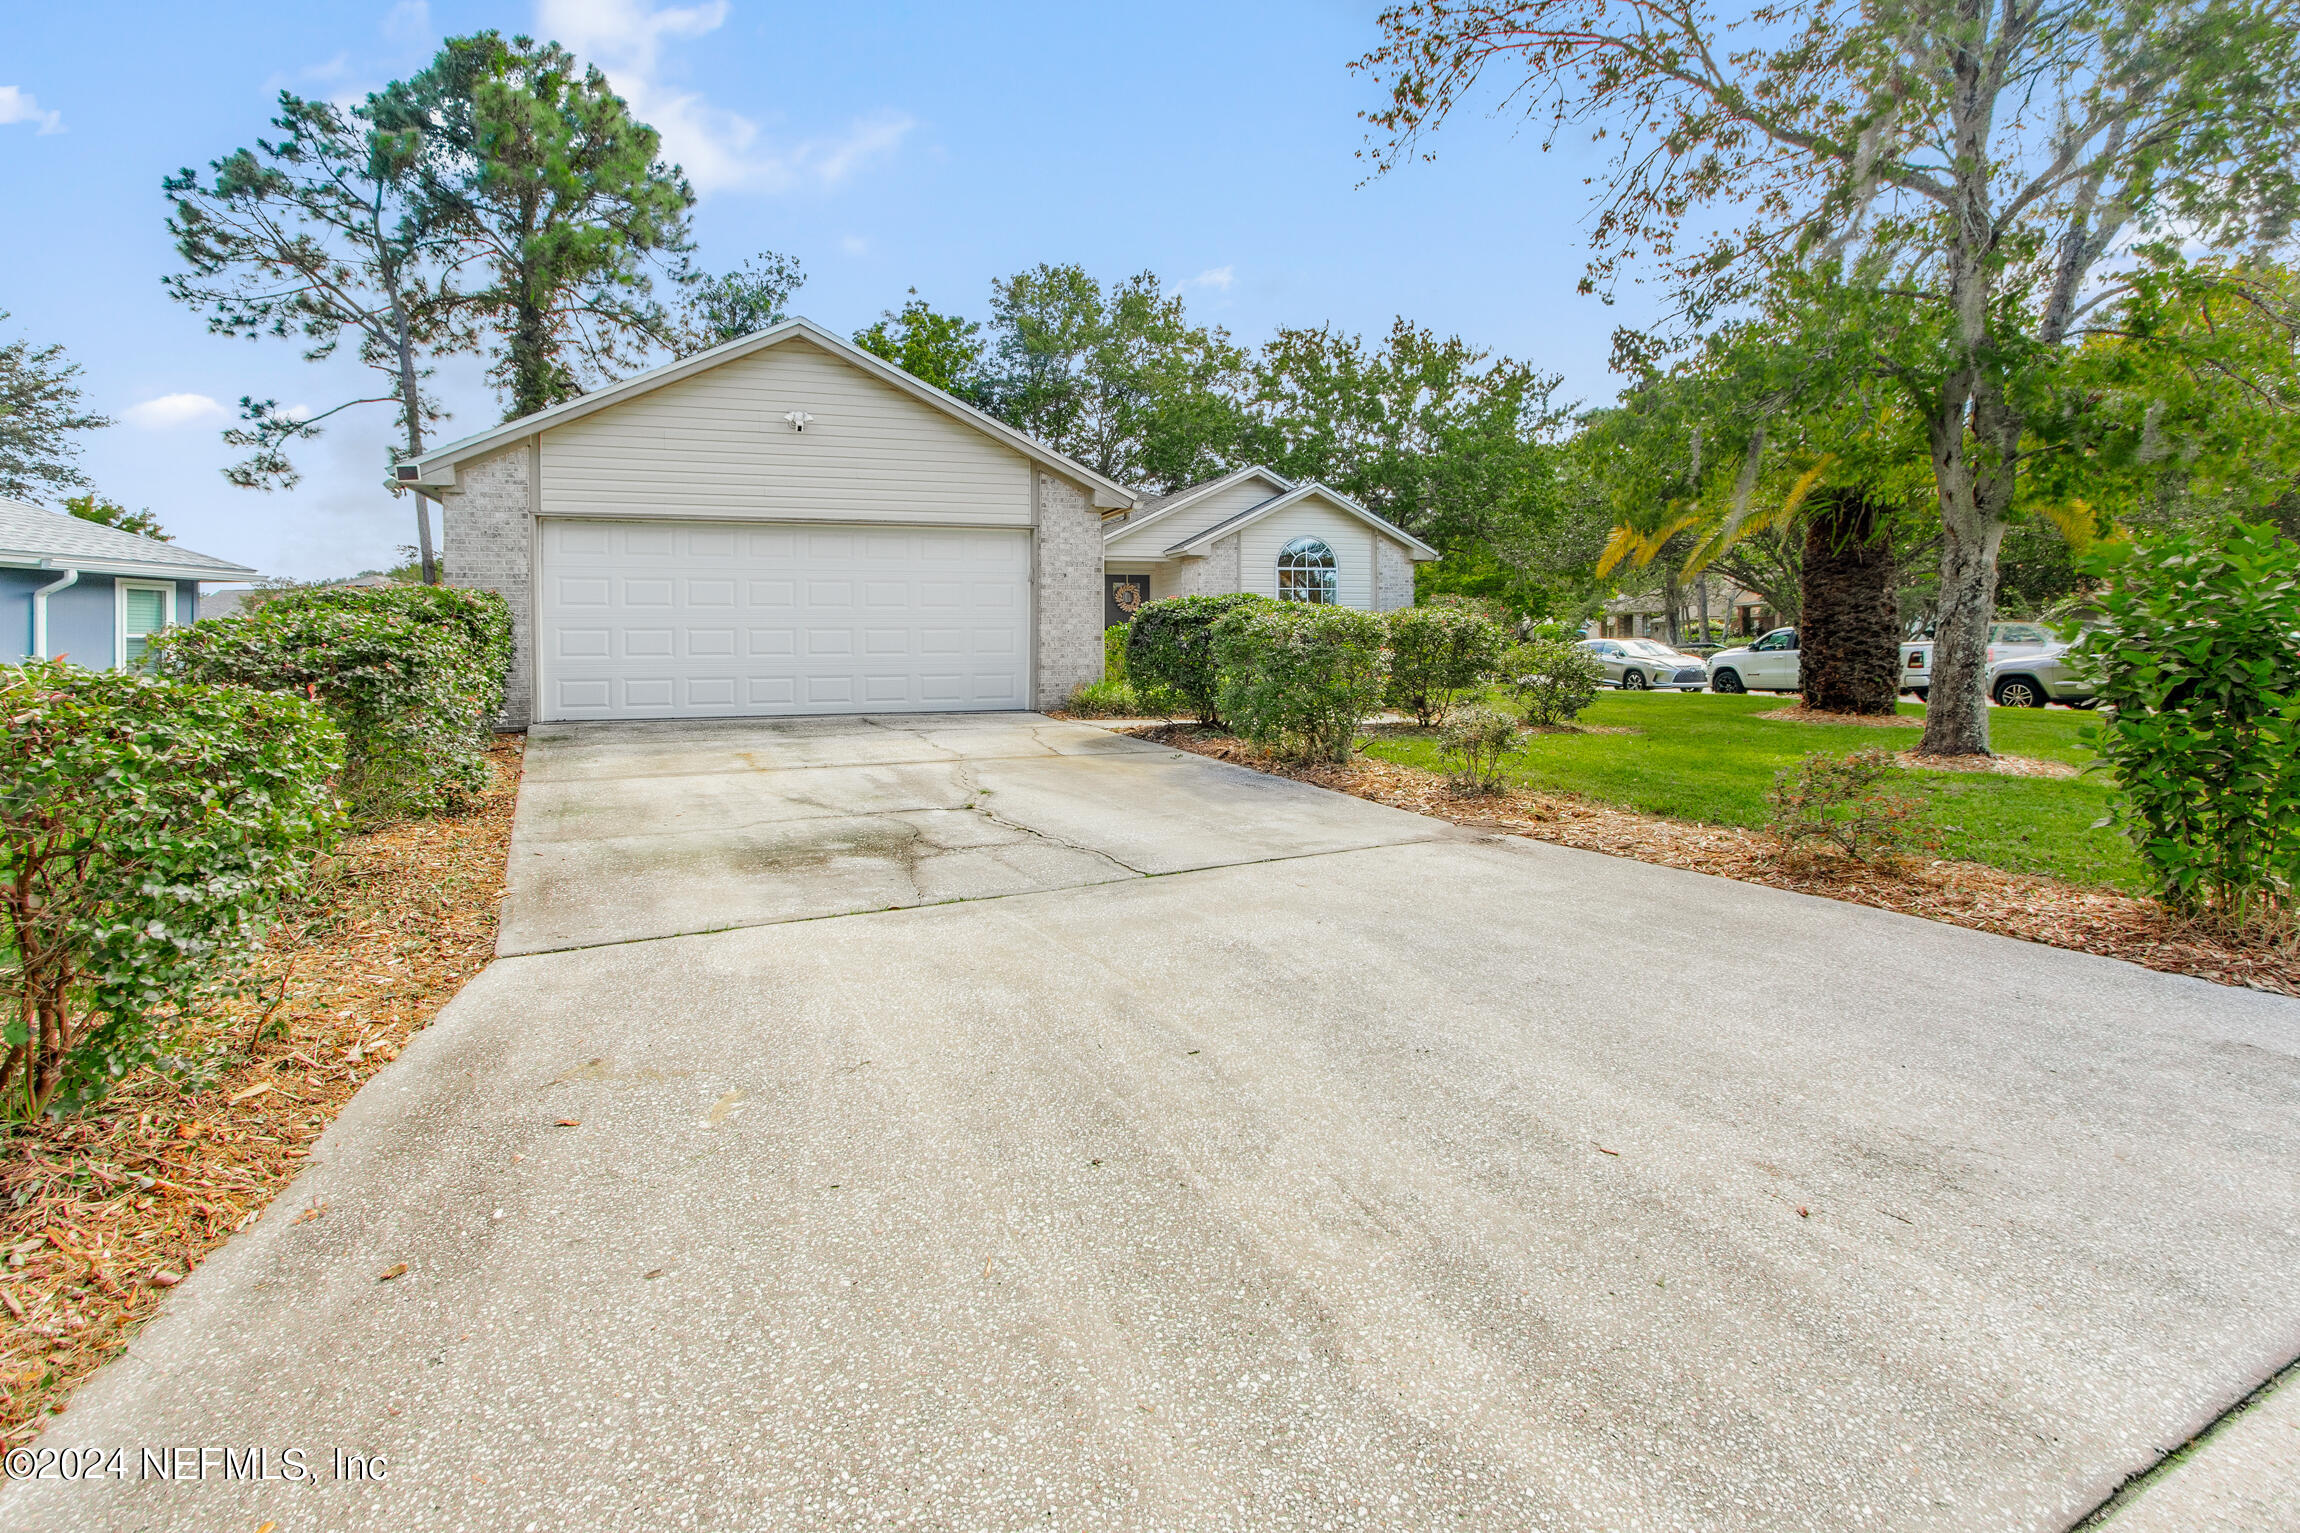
point(1848, 640)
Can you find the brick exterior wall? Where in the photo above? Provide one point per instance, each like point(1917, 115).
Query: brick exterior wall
point(490, 536)
point(1069, 583)
point(1213, 573)
point(1393, 575)
point(1223, 574)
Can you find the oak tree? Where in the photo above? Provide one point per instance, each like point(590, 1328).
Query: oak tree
point(1984, 165)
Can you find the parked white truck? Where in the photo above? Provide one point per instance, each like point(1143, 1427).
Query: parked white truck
point(1770, 663)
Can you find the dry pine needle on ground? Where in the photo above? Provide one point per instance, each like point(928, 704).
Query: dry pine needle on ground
point(100, 1214)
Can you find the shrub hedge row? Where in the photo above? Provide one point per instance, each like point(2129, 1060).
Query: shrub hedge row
point(412, 675)
point(147, 829)
point(151, 824)
point(1302, 678)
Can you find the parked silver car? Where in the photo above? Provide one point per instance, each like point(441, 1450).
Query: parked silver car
point(2037, 677)
point(1640, 665)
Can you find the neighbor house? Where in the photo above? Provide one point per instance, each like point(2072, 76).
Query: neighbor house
point(1257, 531)
point(1733, 612)
point(93, 594)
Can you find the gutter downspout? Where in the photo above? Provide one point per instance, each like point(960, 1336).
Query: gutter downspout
point(40, 597)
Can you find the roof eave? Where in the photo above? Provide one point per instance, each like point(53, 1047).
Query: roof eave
point(157, 570)
point(1211, 486)
point(1416, 550)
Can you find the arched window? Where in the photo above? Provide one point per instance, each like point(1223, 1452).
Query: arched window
point(1306, 571)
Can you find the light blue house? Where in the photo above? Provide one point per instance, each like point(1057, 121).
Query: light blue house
point(92, 594)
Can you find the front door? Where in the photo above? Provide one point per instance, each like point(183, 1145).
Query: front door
point(1122, 597)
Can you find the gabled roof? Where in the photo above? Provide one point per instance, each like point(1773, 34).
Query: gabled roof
point(1109, 492)
point(1161, 506)
point(53, 540)
point(1416, 549)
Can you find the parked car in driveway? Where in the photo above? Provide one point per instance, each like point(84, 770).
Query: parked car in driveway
point(1639, 665)
point(1770, 665)
point(2033, 678)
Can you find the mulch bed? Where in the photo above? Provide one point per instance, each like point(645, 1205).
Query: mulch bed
point(1798, 713)
point(2002, 766)
point(102, 1213)
point(1972, 894)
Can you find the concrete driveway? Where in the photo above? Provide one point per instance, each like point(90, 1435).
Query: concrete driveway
point(1201, 1150)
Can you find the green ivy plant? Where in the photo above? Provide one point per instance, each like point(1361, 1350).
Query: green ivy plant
point(2198, 673)
point(1438, 656)
point(413, 675)
point(1170, 644)
point(1300, 678)
point(148, 829)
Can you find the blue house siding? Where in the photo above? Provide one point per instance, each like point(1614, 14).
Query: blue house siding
point(83, 618)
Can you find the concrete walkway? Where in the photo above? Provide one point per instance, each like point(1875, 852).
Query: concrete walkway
point(1223, 1154)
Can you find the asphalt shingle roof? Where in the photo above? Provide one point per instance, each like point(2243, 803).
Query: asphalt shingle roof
point(28, 532)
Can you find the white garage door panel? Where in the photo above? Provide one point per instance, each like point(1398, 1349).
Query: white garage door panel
point(681, 619)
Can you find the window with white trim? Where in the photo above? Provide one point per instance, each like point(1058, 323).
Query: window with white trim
point(1306, 572)
point(145, 607)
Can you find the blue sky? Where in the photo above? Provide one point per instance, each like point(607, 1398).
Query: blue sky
point(885, 146)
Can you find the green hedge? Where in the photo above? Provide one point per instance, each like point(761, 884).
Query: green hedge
point(1439, 656)
point(2198, 670)
point(1170, 644)
point(1552, 677)
point(148, 828)
point(413, 675)
point(1299, 678)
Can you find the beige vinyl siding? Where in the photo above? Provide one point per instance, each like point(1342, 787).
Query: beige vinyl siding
point(716, 445)
point(1158, 536)
point(1351, 540)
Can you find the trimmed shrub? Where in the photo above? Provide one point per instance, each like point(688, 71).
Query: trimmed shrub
point(1299, 678)
point(1552, 679)
point(148, 829)
point(1474, 745)
point(413, 675)
point(1170, 644)
point(1439, 655)
point(1116, 696)
point(1841, 801)
point(2201, 667)
point(483, 617)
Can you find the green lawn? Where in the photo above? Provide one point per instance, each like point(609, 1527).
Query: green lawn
point(1700, 756)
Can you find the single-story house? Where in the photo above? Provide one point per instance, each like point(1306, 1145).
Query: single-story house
point(786, 524)
point(93, 594)
point(1734, 612)
point(1255, 530)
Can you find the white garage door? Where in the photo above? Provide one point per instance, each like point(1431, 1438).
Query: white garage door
point(643, 620)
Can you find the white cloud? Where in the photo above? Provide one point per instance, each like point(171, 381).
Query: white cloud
point(1218, 278)
point(720, 150)
point(409, 22)
point(18, 106)
point(170, 411)
point(855, 245)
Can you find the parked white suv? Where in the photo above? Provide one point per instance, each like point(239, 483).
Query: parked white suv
point(1770, 665)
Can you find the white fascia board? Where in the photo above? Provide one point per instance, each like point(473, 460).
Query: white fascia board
point(1107, 491)
point(1182, 502)
point(1416, 550)
point(215, 574)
